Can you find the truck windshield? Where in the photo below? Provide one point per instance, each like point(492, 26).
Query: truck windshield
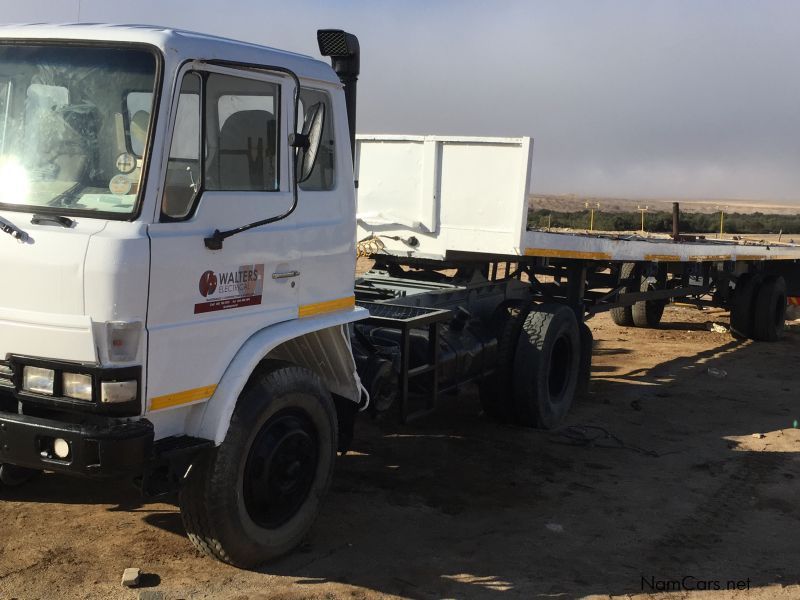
point(73, 127)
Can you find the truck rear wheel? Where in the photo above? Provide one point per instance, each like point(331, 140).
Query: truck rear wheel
point(496, 391)
point(743, 305)
point(546, 366)
point(648, 313)
point(769, 319)
point(623, 315)
point(255, 497)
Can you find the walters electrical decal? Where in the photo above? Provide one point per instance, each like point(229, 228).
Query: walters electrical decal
point(230, 289)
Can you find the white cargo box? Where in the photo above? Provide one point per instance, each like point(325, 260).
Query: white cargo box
point(441, 197)
point(448, 193)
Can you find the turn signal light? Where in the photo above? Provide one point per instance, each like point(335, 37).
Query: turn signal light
point(123, 340)
point(115, 392)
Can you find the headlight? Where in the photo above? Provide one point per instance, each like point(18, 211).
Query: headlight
point(114, 392)
point(36, 379)
point(77, 386)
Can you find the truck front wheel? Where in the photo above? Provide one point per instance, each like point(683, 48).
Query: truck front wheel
point(255, 497)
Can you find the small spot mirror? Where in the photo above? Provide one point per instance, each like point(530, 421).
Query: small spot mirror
point(312, 128)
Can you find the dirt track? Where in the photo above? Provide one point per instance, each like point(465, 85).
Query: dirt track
point(455, 506)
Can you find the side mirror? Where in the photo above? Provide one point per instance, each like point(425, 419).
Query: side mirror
point(312, 131)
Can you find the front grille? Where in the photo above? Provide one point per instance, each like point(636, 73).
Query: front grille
point(6, 374)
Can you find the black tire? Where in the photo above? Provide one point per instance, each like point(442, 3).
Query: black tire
point(648, 313)
point(546, 366)
point(496, 391)
point(743, 305)
point(623, 315)
point(769, 319)
point(585, 366)
point(281, 446)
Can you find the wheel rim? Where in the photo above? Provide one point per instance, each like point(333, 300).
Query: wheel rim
point(280, 468)
point(560, 364)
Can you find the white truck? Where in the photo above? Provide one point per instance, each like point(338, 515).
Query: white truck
point(179, 231)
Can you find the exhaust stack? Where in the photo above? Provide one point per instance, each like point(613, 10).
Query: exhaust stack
point(343, 48)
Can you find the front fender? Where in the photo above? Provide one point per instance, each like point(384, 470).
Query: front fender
point(213, 425)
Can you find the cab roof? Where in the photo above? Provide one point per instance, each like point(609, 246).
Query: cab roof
point(176, 44)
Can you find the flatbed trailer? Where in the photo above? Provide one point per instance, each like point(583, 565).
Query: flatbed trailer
point(445, 221)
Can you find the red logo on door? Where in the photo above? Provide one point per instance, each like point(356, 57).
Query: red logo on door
point(208, 283)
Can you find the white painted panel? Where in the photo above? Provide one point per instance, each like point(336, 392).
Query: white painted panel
point(438, 194)
point(54, 336)
point(479, 186)
point(390, 185)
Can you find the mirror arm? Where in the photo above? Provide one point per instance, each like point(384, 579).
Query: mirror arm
point(216, 239)
point(299, 141)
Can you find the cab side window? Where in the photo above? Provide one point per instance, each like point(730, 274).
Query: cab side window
point(323, 176)
point(242, 134)
point(183, 169)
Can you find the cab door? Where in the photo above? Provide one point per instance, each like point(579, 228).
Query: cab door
point(228, 166)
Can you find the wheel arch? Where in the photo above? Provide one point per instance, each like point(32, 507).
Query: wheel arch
point(320, 344)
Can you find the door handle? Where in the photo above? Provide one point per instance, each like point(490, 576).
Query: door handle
point(285, 274)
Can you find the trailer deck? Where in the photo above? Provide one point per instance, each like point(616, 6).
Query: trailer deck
point(631, 248)
point(439, 197)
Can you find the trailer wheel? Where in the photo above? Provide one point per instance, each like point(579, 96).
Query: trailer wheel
point(255, 497)
point(743, 305)
point(546, 366)
point(585, 367)
point(623, 315)
point(770, 310)
point(496, 391)
point(648, 313)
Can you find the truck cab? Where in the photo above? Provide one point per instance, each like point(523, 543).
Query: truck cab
point(177, 215)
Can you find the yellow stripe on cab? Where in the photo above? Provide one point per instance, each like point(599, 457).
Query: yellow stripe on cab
point(319, 308)
point(184, 397)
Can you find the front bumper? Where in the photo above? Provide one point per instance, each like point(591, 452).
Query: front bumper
point(106, 447)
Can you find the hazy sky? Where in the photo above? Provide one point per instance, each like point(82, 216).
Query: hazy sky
point(624, 98)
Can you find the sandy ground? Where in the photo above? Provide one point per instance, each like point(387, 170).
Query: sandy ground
point(458, 507)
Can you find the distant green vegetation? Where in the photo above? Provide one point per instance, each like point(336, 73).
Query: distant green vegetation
point(661, 222)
